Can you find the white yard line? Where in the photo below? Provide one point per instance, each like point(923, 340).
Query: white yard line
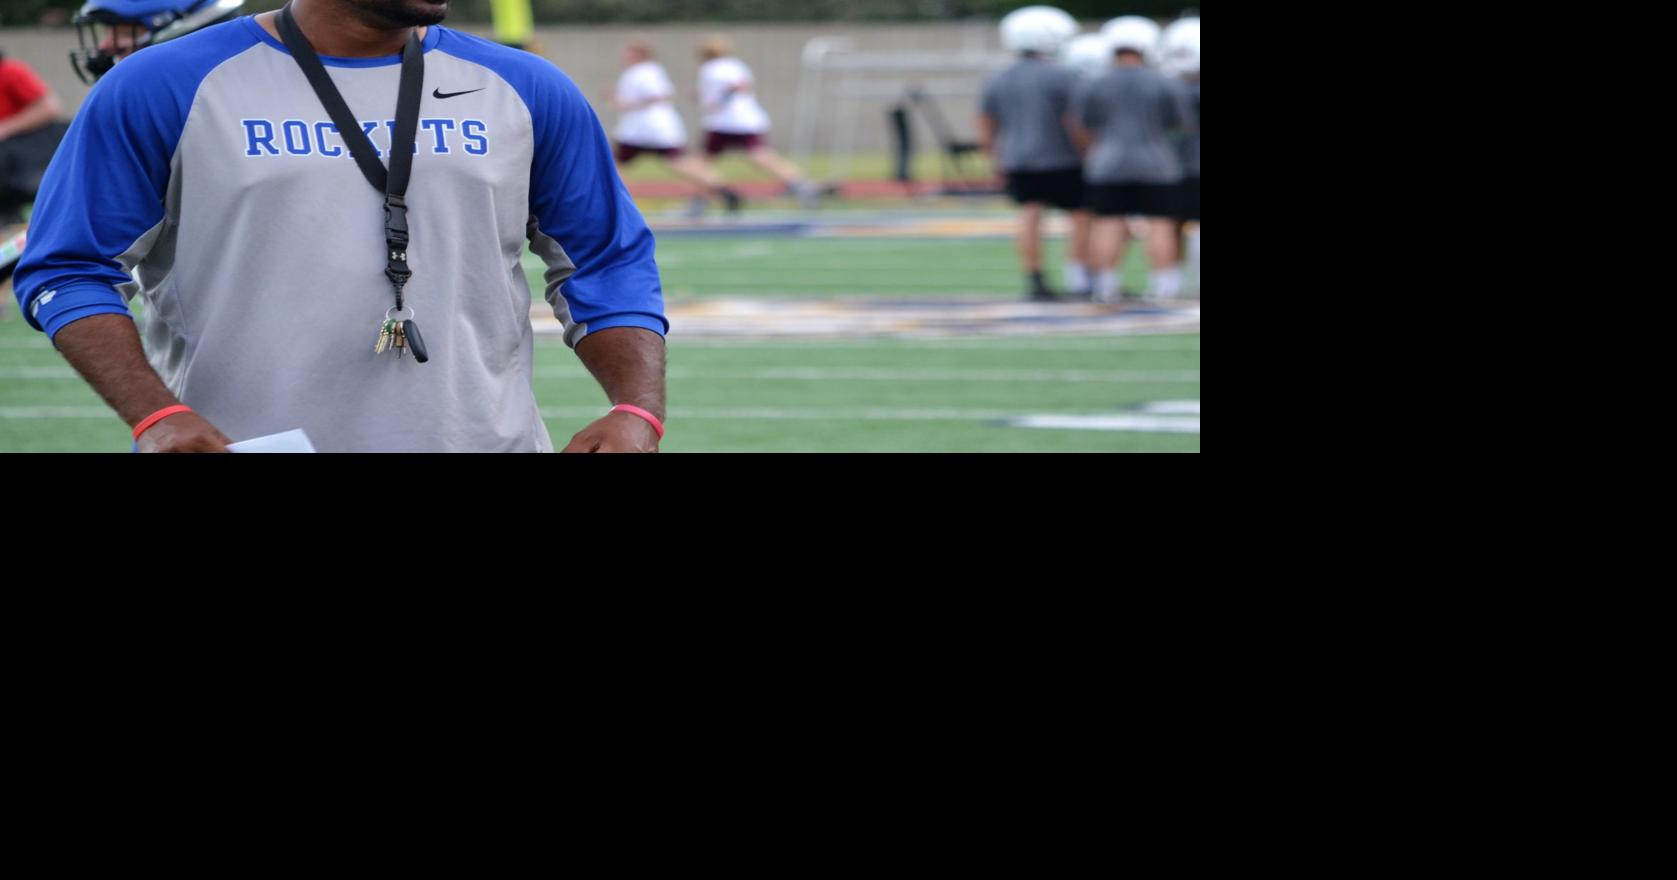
point(832, 415)
point(799, 374)
point(33, 374)
point(745, 413)
point(56, 412)
point(951, 374)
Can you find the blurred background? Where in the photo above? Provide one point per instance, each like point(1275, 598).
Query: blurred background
point(885, 315)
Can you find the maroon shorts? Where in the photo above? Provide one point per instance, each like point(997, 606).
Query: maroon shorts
point(627, 153)
point(719, 142)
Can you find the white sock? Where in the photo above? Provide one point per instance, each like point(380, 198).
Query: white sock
point(1106, 286)
point(1165, 284)
point(1194, 257)
point(1074, 277)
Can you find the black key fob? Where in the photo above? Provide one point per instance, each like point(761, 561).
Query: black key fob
point(416, 343)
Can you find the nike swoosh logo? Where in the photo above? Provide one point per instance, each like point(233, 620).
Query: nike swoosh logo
point(441, 96)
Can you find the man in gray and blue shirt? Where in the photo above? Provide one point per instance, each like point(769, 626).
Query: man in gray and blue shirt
point(1023, 126)
point(205, 177)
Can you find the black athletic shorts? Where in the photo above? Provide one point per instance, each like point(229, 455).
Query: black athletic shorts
point(1190, 199)
point(1136, 199)
point(23, 160)
point(1059, 189)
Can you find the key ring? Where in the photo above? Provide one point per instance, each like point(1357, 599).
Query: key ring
point(411, 313)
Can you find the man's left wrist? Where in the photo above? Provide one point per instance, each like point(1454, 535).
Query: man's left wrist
point(644, 415)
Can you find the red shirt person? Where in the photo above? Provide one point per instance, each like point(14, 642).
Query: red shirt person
point(26, 103)
point(29, 133)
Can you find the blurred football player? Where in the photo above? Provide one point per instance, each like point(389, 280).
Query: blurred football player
point(1091, 56)
point(1131, 117)
point(1023, 126)
point(1181, 58)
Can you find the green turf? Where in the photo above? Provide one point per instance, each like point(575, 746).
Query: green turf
point(887, 396)
point(787, 396)
point(903, 396)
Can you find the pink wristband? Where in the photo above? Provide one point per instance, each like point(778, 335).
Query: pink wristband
point(147, 422)
point(637, 411)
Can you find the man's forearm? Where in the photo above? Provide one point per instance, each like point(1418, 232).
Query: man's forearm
point(629, 363)
point(36, 115)
point(1081, 138)
point(106, 351)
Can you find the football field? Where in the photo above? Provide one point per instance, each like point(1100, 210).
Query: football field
point(854, 334)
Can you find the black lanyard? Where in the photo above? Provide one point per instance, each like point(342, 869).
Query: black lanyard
point(394, 183)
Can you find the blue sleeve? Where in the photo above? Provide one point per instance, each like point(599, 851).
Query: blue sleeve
point(578, 200)
point(106, 187)
point(608, 274)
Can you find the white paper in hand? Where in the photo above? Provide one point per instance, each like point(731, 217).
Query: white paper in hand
point(290, 441)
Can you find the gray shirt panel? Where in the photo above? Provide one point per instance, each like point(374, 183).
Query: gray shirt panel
point(1191, 144)
point(1136, 116)
point(1029, 102)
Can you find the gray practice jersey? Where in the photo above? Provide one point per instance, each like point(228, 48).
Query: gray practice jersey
point(208, 169)
point(1029, 102)
point(1191, 144)
point(1136, 116)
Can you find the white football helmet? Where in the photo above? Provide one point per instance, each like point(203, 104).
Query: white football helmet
point(1039, 29)
point(1179, 50)
point(1134, 33)
point(1090, 55)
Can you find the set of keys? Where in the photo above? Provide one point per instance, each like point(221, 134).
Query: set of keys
point(402, 337)
point(391, 337)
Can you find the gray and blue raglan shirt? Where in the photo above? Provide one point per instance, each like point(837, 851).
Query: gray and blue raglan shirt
point(204, 177)
point(1029, 102)
point(1137, 117)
